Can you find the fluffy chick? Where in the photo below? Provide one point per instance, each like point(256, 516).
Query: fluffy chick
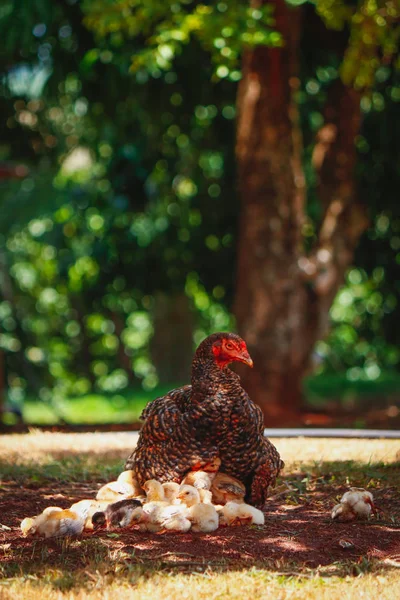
point(126, 486)
point(201, 480)
point(205, 496)
point(203, 517)
point(53, 522)
point(87, 508)
point(155, 517)
point(357, 503)
point(188, 495)
point(241, 514)
point(171, 490)
point(154, 491)
point(226, 488)
point(117, 514)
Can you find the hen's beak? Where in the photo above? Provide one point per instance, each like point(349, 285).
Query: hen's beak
point(246, 359)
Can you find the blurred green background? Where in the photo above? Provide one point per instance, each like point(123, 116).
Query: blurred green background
point(119, 208)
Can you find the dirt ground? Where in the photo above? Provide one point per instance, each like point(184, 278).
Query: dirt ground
point(293, 534)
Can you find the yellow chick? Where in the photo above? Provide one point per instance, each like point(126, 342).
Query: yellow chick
point(201, 480)
point(126, 486)
point(226, 488)
point(154, 517)
point(173, 518)
point(188, 495)
point(171, 490)
point(87, 508)
point(154, 491)
point(203, 517)
point(205, 496)
point(241, 514)
point(53, 523)
point(356, 503)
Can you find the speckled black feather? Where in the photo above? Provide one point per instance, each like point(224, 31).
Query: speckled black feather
point(214, 416)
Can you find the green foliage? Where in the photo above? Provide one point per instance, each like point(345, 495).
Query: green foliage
point(374, 36)
point(124, 112)
point(222, 30)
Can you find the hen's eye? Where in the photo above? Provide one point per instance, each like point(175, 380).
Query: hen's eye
point(229, 346)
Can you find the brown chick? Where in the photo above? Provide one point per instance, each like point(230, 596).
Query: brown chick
point(226, 488)
point(118, 514)
point(87, 508)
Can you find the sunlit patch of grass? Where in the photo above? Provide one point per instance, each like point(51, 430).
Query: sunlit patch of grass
point(70, 469)
point(121, 581)
point(92, 409)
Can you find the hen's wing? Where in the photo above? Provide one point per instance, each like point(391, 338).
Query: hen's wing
point(246, 453)
point(167, 447)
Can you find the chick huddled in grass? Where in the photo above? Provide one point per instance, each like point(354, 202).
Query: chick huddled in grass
point(357, 503)
point(53, 522)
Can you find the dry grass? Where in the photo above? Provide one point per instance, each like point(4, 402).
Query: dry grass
point(252, 584)
point(104, 570)
point(38, 445)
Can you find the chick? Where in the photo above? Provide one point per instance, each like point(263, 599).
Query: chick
point(212, 467)
point(171, 490)
point(154, 491)
point(201, 480)
point(53, 522)
point(126, 486)
point(205, 496)
point(87, 508)
point(241, 514)
point(188, 495)
point(203, 517)
point(226, 488)
point(117, 514)
point(173, 518)
point(356, 503)
point(155, 517)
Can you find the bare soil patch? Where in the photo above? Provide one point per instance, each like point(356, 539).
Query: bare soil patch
point(294, 535)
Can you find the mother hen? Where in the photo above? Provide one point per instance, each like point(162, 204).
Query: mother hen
point(213, 418)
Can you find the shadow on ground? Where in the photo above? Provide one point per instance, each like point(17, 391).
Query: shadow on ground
point(298, 534)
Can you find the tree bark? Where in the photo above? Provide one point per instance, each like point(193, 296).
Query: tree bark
point(283, 295)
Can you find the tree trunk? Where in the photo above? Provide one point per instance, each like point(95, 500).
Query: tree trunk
point(283, 296)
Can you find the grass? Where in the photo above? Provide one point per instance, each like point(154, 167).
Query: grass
point(126, 407)
point(92, 409)
point(99, 568)
point(320, 388)
point(117, 580)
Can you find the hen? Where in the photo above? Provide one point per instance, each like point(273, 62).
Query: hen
point(191, 427)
